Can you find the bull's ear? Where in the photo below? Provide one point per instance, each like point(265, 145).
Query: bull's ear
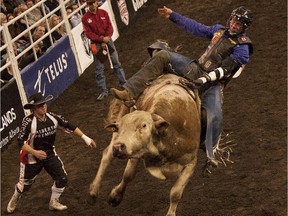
point(113, 127)
point(161, 124)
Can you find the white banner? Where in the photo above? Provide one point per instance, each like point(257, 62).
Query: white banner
point(82, 44)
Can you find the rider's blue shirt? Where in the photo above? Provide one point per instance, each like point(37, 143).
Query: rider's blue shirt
point(240, 52)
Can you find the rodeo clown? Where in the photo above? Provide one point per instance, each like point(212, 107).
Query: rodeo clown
point(36, 141)
point(228, 51)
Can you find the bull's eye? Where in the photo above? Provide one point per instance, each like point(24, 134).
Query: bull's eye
point(114, 129)
point(144, 125)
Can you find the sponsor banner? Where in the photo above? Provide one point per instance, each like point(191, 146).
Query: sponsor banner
point(53, 72)
point(11, 112)
point(82, 44)
point(137, 4)
point(125, 11)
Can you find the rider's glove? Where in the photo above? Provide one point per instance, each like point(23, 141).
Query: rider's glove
point(217, 74)
point(198, 82)
point(202, 80)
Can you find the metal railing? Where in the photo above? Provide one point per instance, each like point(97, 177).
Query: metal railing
point(13, 57)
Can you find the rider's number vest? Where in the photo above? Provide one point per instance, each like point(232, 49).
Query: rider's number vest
point(219, 48)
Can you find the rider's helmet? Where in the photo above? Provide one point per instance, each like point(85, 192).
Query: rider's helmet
point(243, 15)
point(158, 45)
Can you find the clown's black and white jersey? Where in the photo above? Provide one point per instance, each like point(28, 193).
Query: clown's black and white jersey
point(41, 135)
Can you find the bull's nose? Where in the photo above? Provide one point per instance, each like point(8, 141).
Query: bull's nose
point(119, 150)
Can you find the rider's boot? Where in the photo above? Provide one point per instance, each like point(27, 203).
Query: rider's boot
point(136, 85)
point(124, 96)
point(211, 165)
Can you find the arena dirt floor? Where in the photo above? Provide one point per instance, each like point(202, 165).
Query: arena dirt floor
point(255, 117)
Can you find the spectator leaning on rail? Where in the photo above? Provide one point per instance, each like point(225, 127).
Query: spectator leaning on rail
point(3, 19)
point(75, 19)
point(9, 5)
point(22, 24)
point(229, 49)
point(46, 8)
point(38, 32)
point(36, 140)
point(15, 30)
point(98, 28)
point(52, 4)
point(34, 15)
point(60, 31)
point(3, 8)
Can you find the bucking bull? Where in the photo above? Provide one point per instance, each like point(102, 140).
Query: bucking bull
point(164, 132)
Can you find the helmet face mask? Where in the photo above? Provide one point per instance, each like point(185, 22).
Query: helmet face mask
point(242, 15)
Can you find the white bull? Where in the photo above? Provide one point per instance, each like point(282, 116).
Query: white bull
point(164, 132)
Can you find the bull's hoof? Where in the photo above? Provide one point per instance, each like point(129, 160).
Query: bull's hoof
point(114, 200)
point(91, 199)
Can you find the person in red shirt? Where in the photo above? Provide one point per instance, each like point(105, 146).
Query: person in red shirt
point(98, 28)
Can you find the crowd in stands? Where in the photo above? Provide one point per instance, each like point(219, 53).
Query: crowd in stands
point(11, 9)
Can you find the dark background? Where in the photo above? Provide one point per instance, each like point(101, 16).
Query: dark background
point(255, 116)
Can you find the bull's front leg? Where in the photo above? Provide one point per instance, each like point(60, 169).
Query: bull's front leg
point(107, 157)
point(176, 191)
point(116, 195)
